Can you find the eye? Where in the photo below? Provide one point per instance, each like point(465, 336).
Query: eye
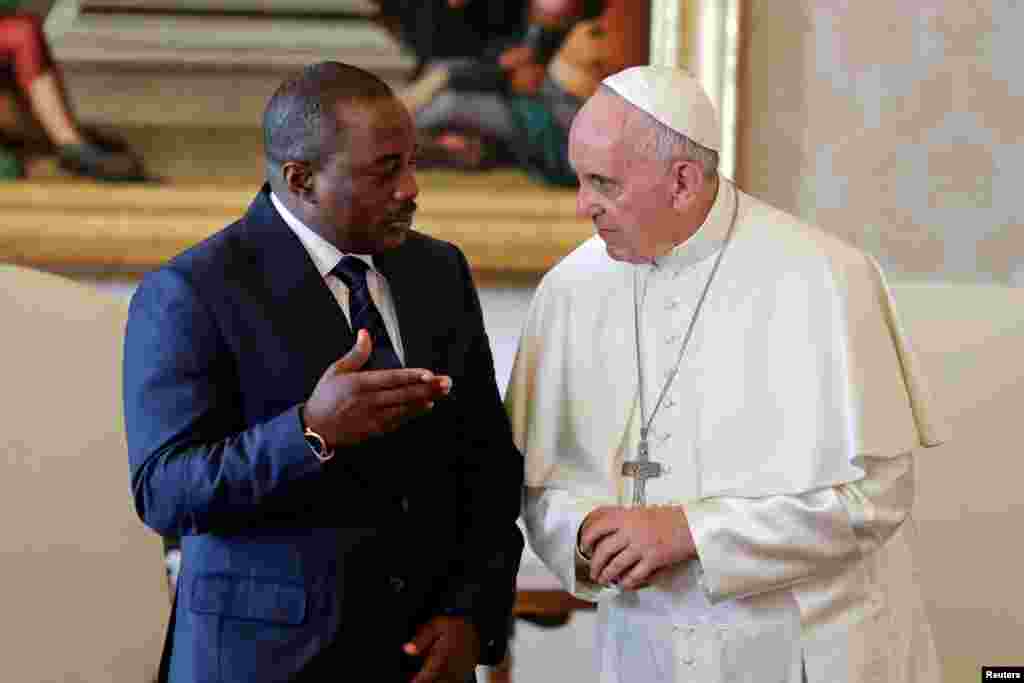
point(388, 171)
point(601, 183)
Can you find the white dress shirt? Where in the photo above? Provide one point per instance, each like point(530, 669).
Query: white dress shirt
point(326, 256)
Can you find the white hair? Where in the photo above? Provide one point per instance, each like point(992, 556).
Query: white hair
point(670, 145)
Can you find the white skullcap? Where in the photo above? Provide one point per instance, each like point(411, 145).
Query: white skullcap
point(673, 97)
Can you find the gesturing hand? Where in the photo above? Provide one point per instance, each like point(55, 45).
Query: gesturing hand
point(349, 405)
point(628, 545)
point(450, 647)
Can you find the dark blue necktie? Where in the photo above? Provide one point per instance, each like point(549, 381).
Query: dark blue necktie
point(363, 314)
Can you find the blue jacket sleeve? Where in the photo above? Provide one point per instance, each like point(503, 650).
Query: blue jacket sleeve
point(195, 466)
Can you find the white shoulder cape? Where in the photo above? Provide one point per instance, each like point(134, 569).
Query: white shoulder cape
point(805, 369)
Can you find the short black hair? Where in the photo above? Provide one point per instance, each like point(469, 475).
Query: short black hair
point(294, 118)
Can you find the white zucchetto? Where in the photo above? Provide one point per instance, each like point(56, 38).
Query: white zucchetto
point(673, 97)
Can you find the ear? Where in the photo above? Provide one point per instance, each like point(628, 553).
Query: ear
point(299, 179)
point(687, 182)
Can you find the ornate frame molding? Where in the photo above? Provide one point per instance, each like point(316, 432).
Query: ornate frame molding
point(518, 230)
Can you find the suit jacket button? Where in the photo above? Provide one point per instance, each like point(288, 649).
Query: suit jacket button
point(397, 584)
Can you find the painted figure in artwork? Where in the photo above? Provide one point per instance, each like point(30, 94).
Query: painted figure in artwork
point(475, 113)
point(32, 96)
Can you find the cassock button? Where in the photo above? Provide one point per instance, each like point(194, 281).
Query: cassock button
point(673, 339)
point(672, 304)
point(405, 504)
point(397, 584)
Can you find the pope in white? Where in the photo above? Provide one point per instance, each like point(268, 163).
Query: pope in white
point(720, 416)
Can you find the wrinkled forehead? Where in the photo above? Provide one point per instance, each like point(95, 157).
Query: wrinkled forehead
point(601, 129)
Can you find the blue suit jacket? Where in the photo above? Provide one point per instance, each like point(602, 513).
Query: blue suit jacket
point(284, 558)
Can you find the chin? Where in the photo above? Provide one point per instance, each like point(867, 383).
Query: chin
point(395, 238)
point(619, 254)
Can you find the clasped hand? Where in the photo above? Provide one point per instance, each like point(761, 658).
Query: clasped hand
point(628, 546)
point(350, 405)
point(450, 648)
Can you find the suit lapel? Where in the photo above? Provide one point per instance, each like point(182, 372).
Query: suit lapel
point(412, 304)
point(295, 292)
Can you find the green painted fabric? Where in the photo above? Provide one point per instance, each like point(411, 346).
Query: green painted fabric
point(10, 165)
point(545, 155)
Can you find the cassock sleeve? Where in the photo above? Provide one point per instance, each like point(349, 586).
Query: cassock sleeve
point(553, 518)
point(752, 545)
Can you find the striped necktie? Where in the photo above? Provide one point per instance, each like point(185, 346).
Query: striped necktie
point(363, 314)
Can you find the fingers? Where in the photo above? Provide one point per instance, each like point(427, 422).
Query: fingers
point(423, 641)
point(619, 566)
point(420, 392)
point(357, 355)
point(379, 380)
point(390, 419)
point(598, 524)
point(640, 576)
point(605, 551)
point(424, 645)
point(433, 668)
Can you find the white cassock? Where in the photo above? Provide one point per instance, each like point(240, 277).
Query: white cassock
point(789, 436)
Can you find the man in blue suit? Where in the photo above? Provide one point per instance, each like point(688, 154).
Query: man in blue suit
point(311, 406)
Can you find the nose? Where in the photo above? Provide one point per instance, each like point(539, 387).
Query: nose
point(407, 188)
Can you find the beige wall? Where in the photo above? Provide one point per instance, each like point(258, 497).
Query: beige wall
point(895, 125)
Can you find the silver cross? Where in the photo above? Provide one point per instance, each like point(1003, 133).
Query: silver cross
point(641, 469)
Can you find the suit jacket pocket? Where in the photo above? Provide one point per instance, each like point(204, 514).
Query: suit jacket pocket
point(258, 599)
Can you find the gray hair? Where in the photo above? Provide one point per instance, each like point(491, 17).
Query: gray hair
point(667, 144)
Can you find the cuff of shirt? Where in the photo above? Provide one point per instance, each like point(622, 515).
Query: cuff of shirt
point(699, 517)
point(583, 587)
point(581, 557)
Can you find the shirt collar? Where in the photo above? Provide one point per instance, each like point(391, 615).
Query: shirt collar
point(709, 237)
point(324, 254)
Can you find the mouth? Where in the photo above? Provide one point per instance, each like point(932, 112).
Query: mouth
point(402, 221)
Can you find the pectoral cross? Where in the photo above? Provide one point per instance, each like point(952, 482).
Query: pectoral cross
point(641, 469)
